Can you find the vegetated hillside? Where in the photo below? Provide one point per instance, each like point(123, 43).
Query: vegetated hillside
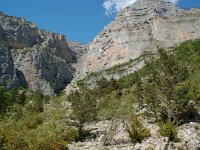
point(157, 101)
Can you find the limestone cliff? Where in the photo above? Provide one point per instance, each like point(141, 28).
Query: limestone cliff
point(46, 62)
point(140, 27)
point(42, 58)
point(80, 54)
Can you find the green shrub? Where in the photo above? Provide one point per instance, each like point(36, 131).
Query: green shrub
point(169, 130)
point(188, 53)
point(109, 106)
point(105, 87)
point(186, 101)
point(127, 81)
point(51, 136)
point(136, 131)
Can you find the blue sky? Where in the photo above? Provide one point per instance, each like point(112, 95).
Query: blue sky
point(79, 20)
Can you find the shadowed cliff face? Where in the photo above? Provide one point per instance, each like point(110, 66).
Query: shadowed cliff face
point(7, 71)
point(37, 59)
point(141, 27)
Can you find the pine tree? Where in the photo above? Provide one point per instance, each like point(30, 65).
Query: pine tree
point(139, 90)
point(84, 107)
point(165, 74)
point(171, 73)
point(151, 88)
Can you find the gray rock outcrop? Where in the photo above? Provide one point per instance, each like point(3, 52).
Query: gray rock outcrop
point(188, 135)
point(18, 32)
point(80, 54)
point(78, 48)
point(140, 27)
point(42, 59)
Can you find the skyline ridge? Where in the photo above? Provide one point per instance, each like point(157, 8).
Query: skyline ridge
point(77, 20)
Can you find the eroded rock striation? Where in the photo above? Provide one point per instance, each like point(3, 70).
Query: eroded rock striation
point(141, 27)
point(38, 59)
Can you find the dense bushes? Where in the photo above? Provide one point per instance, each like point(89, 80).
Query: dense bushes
point(169, 129)
point(31, 134)
point(105, 87)
point(187, 53)
point(34, 124)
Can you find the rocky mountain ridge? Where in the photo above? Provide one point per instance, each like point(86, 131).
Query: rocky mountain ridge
point(140, 27)
point(34, 58)
point(46, 62)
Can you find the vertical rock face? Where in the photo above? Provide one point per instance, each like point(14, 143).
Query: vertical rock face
point(38, 59)
point(8, 76)
point(78, 48)
point(80, 52)
point(7, 71)
point(141, 27)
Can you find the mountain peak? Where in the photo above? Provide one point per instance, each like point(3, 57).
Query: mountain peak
point(141, 27)
point(150, 3)
point(150, 8)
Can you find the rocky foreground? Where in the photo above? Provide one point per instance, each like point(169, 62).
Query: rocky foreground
point(188, 135)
